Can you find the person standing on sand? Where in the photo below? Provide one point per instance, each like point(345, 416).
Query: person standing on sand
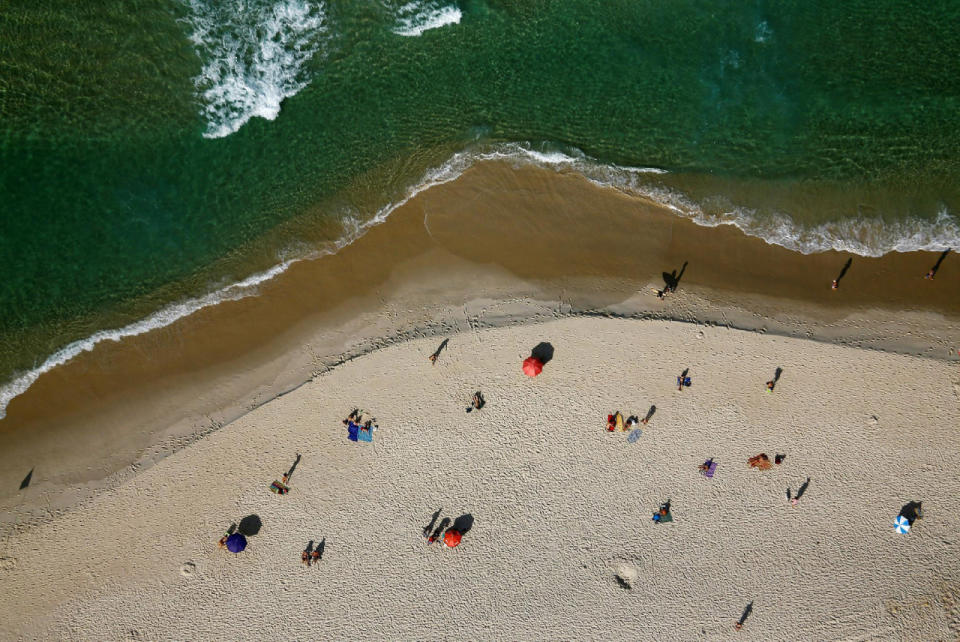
point(834, 285)
point(305, 558)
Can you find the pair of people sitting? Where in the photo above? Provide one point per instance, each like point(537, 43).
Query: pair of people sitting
point(357, 431)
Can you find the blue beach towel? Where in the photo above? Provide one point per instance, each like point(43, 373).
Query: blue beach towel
point(365, 435)
point(352, 430)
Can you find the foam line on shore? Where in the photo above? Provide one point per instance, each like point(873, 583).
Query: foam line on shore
point(857, 235)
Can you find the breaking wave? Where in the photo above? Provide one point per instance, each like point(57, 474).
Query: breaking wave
point(253, 54)
point(858, 235)
point(414, 18)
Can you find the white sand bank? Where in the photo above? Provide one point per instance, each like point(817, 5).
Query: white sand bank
point(559, 504)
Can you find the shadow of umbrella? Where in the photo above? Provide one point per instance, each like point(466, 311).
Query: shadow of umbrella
point(463, 523)
point(543, 352)
point(250, 525)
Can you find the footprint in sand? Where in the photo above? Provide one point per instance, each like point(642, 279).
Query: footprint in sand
point(626, 574)
point(189, 569)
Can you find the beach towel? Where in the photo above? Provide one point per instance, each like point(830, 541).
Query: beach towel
point(352, 430)
point(365, 435)
point(708, 473)
point(618, 418)
point(635, 435)
point(279, 488)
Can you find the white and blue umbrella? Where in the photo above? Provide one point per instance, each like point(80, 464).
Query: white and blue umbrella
point(901, 524)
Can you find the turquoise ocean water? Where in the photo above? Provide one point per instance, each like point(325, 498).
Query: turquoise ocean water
point(161, 155)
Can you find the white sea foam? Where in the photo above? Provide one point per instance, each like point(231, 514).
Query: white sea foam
point(416, 17)
point(253, 54)
point(163, 317)
point(858, 235)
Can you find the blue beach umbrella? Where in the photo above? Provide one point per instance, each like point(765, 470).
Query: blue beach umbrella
point(901, 524)
point(236, 543)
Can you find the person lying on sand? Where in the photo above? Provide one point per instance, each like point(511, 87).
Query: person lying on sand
point(760, 461)
point(615, 422)
point(353, 417)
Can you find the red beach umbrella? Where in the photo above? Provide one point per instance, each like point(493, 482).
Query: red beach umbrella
point(452, 538)
point(532, 366)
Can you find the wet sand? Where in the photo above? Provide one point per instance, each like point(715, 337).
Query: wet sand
point(498, 246)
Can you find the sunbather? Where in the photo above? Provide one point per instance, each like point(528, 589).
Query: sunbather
point(760, 461)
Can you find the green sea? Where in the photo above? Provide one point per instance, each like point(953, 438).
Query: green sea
point(161, 155)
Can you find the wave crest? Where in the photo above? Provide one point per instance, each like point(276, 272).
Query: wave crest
point(866, 237)
point(414, 18)
point(253, 54)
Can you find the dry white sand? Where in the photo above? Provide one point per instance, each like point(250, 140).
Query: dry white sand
point(560, 505)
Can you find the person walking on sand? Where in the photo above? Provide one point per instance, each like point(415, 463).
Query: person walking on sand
point(305, 558)
point(834, 285)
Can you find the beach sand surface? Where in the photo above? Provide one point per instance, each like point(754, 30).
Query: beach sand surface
point(498, 246)
point(561, 508)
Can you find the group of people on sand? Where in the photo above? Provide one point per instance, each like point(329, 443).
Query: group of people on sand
point(616, 422)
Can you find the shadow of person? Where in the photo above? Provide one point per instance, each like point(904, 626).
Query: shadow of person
point(442, 526)
point(543, 352)
point(746, 613)
point(936, 267)
point(650, 412)
point(463, 523)
point(250, 525)
point(26, 480)
point(320, 547)
point(293, 467)
point(802, 489)
point(846, 266)
point(672, 280)
point(436, 354)
point(433, 521)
